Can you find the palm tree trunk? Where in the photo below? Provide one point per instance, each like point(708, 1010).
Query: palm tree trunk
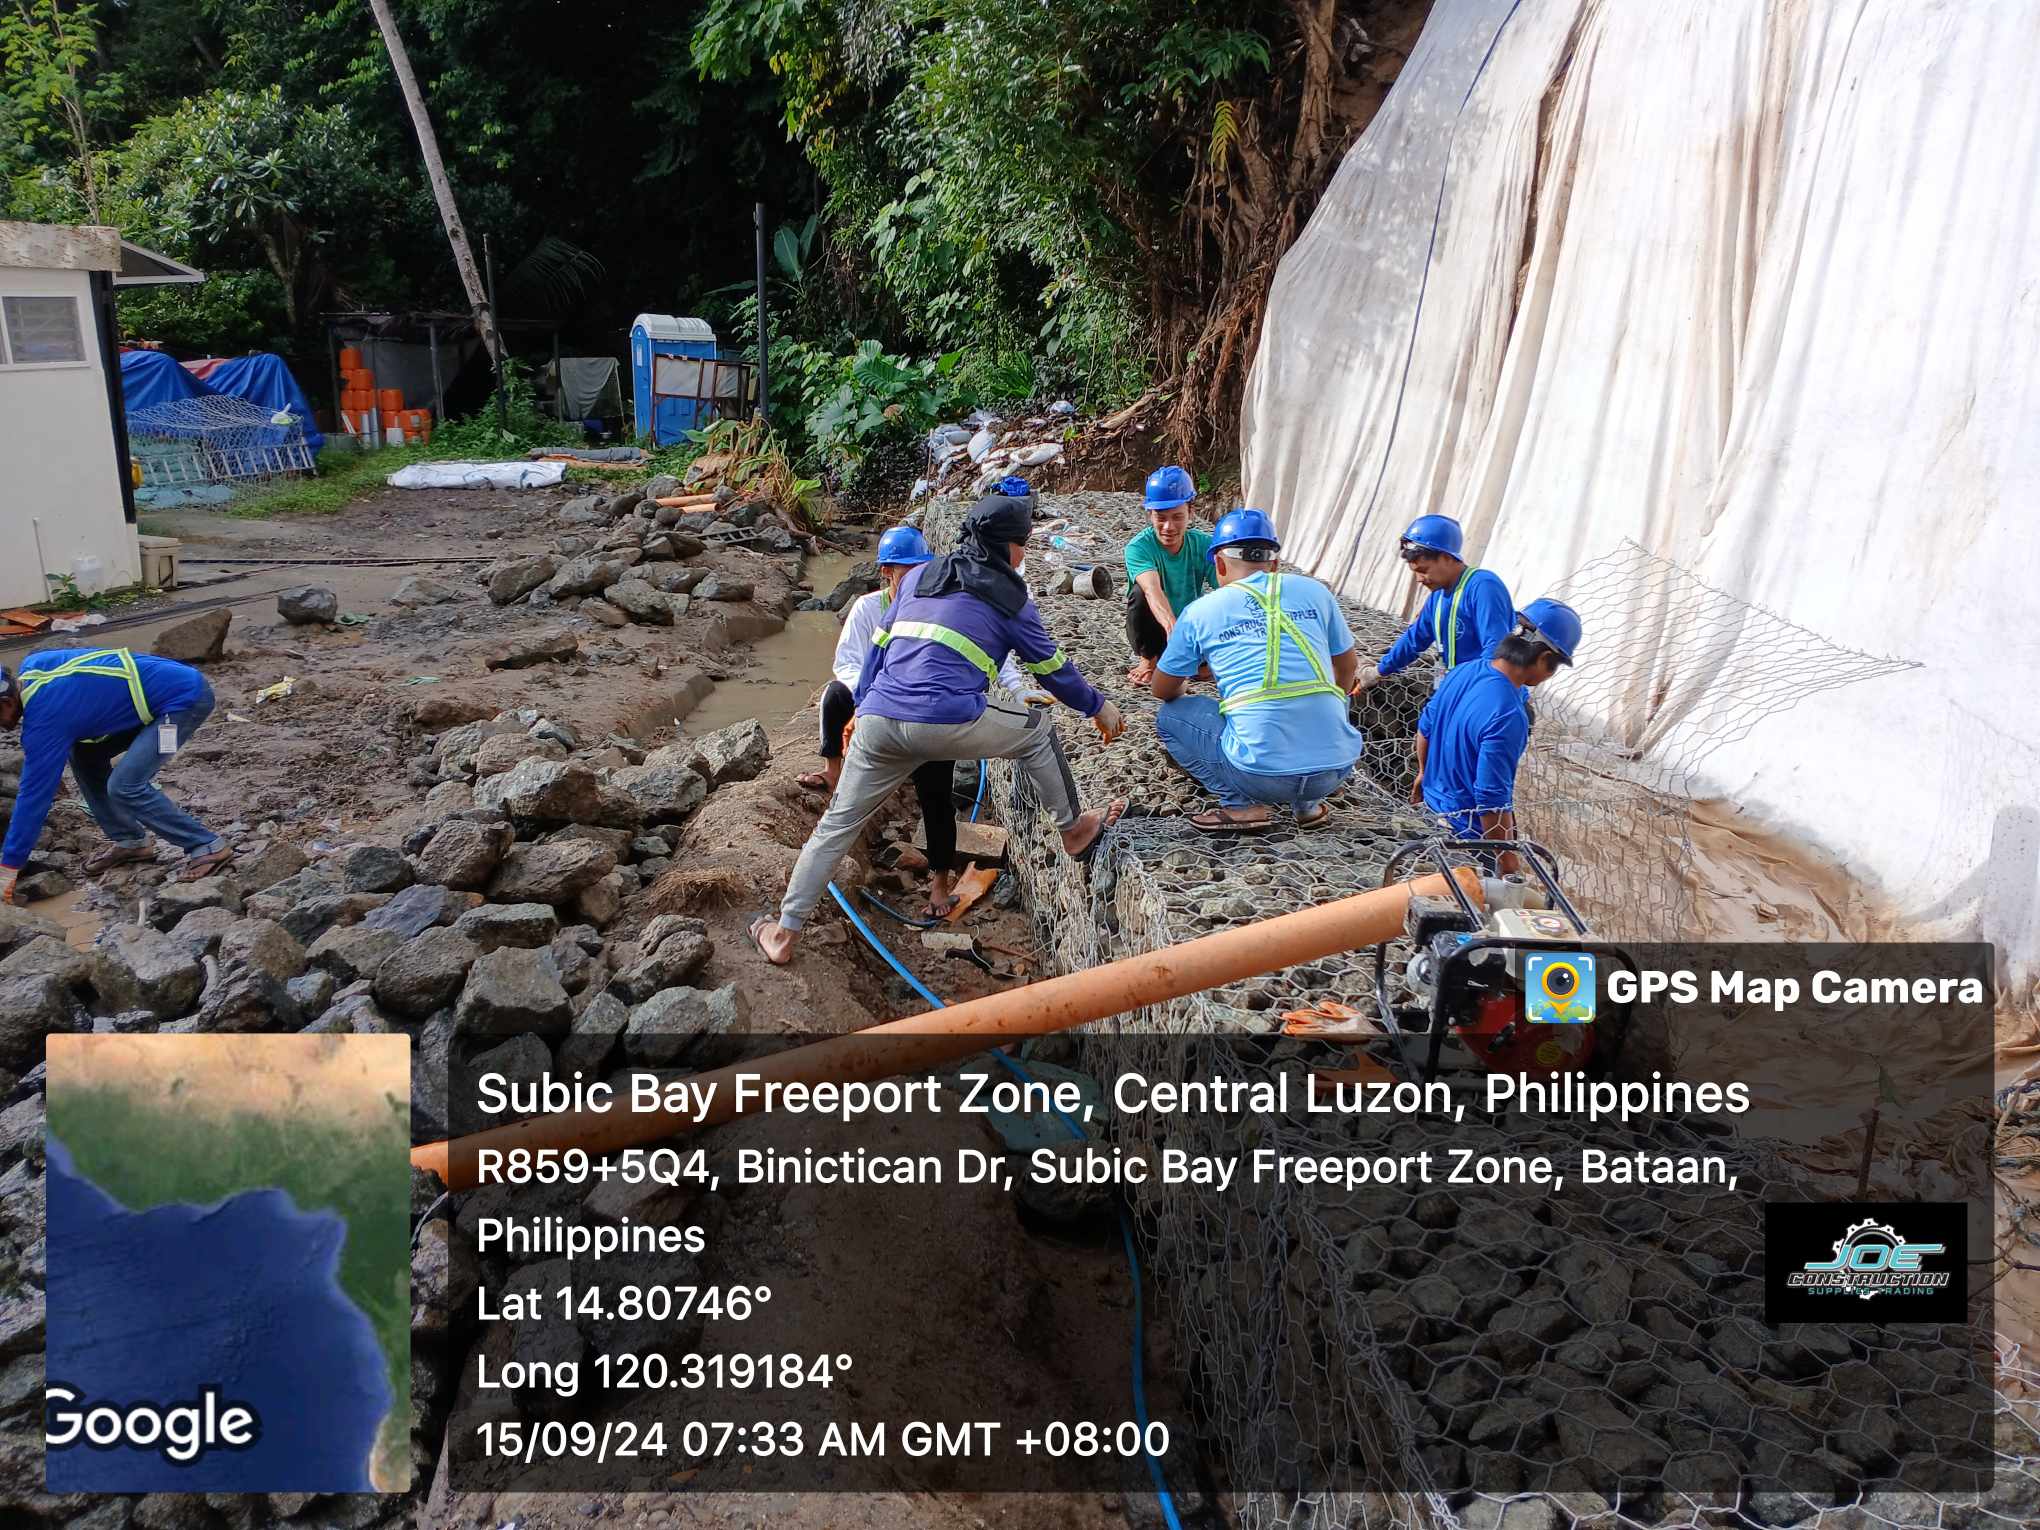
point(435, 172)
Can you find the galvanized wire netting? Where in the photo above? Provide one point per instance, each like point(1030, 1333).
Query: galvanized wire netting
point(215, 439)
point(1477, 1360)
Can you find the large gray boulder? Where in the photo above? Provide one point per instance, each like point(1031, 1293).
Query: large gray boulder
point(32, 1006)
point(588, 575)
point(670, 951)
point(262, 945)
point(419, 908)
point(465, 854)
point(245, 999)
point(739, 752)
point(199, 640)
point(507, 750)
point(546, 791)
point(352, 951)
point(551, 873)
point(424, 973)
point(268, 866)
point(643, 604)
point(304, 604)
point(161, 973)
point(516, 578)
point(663, 793)
point(526, 926)
point(509, 992)
point(374, 869)
point(173, 900)
point(592, 1042)
point(18, 927)
point(666, 1027)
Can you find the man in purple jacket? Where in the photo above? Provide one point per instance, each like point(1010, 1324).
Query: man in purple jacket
point(930, 691)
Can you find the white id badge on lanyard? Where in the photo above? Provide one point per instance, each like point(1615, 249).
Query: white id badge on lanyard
point(166, 739)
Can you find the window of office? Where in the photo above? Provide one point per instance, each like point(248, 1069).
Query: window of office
point(40, 331)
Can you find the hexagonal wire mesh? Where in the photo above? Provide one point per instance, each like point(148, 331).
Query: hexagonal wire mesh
point(1346, 1396)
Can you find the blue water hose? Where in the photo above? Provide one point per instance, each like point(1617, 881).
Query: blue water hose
point(1140, 1410)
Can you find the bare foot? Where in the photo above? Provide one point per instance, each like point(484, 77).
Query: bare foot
point(1082, 837)
point(774, 940)
point(1142, 672)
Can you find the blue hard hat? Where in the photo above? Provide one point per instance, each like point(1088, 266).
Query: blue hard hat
point(1013, 488)
point(1168, 487)
point(1237, 526)
point(903, 545)
point(1435, 533)
point(1555, 624)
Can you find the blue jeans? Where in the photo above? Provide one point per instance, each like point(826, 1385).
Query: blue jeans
point(1192, 728)
point(121, 793)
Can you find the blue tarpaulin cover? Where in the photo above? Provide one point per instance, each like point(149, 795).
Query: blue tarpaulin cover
point(148, 378)
point(263, 379)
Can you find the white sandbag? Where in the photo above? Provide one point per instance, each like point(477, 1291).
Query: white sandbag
point(478, 475)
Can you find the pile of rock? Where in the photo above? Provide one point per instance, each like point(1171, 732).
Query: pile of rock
point(481, 936)
point(971, 456)
point(623, 558)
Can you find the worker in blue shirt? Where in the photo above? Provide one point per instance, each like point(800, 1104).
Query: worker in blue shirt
point(114, 717)
point(1467, 612)
point(929, 691)
point(1472, 732)
point(1284, 659)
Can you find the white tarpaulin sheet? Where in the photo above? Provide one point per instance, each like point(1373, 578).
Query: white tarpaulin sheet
point(1756, 285)
point(478, 475)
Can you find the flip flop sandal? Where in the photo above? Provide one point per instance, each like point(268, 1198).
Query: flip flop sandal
point(199, 866)
point(116, 855)
point(1315, 820)
point(1215, 821)
point(751, 934)
point(936, 915)
point(812, 781)
point(1113, 814)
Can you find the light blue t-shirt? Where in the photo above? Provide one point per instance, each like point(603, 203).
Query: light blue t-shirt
point(1228, 630)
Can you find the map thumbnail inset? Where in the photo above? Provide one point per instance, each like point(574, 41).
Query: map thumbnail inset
point(229, 1229)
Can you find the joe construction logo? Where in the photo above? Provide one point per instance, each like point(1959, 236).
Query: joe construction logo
point(1832, 1263)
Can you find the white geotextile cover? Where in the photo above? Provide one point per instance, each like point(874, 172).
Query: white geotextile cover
point(478, 475)
point(1755, 284)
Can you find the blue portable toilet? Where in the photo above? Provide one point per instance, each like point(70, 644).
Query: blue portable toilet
point(660, 335)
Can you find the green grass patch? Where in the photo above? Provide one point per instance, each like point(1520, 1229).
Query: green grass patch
point(344, 474)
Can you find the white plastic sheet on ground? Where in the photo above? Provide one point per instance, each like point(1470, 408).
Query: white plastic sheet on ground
point(478, 475)
point(1755, 284)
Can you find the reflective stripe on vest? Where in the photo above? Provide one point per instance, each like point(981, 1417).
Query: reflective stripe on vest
point(113, 663)
point(954, 641)
point(1451, 643)
point(1272, 686)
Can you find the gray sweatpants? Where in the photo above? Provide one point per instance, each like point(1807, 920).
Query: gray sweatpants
point(883, 753)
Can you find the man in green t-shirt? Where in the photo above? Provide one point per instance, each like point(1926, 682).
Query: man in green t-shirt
point(1167, 566)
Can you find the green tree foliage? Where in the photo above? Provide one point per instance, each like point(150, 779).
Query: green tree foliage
point(59, 96)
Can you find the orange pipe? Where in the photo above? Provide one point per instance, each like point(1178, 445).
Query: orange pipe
point(944, 1035)
point(685, 501)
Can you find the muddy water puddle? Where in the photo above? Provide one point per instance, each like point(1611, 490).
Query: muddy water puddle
point(75, 914)
point(786, 668)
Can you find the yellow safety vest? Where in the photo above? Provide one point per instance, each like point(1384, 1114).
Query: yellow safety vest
point(1272, 686)
point(957, 643)
point(114, 663)
point(1449, 640)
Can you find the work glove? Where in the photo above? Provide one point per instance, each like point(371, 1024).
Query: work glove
point(1038, 699)
point(1109, 721)
point(9, 875)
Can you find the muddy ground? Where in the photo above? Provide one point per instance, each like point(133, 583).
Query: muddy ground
point(1048, 1312)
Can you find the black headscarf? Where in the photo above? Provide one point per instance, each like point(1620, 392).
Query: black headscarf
point(981, 566)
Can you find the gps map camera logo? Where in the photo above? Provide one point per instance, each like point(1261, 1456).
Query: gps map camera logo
point(1558, 988)
point(1821, 1268)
